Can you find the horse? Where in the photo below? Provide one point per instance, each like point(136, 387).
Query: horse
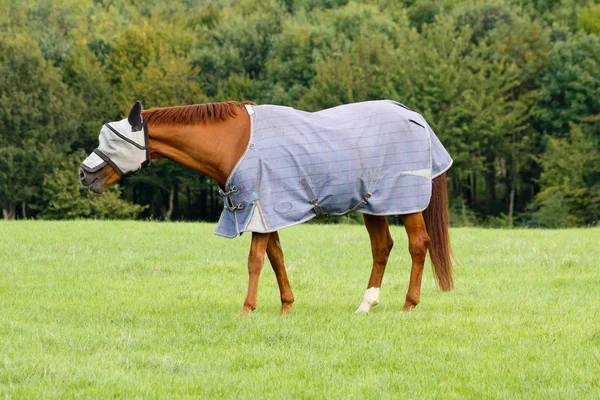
point(390, 163)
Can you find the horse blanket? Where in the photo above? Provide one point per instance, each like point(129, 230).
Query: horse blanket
point(375, 157)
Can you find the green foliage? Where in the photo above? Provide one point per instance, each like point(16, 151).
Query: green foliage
point(292, 64)
point(86, 76)
point(570, 83)
point(461, 216)
point(553, 212)
point(239, 44)
point(51, 22)
point(38, 119)
point(423, 12)
point(173, 82)
point(151, 54)
point(65, 198)
point(570, 183)
point(589, 20)
point(358, 75)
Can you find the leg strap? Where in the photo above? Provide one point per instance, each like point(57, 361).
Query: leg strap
point(319, 209)
point(313, 198)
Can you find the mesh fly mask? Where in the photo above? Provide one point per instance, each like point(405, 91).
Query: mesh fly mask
point(123, 146)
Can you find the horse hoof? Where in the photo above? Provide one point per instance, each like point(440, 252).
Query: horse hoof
point(246, 311)
point(370, 300)
point(408, 307)
point(286, 309)
point(364, 308)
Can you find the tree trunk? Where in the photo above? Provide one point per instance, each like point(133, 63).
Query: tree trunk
point(474, 188)
point(10, 212)
point(490, 186)
point(212, 207)
point(171, 202)
point(202, 205)
point(511, 183)
point(467, 189)
point(176, 209)
point(511, 206)
point(189, 202)
point(152, 207)
point(216, 208)
point(24, 209)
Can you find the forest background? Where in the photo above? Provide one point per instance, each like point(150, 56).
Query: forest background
point(511, 87)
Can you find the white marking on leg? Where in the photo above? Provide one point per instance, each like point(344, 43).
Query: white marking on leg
point(370, 300)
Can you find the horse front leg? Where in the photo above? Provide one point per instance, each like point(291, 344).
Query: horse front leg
point(418, 243)
point(275, 254)
point(381, 246)
point(256, 260)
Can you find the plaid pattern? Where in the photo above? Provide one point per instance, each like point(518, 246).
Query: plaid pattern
point(376, 154)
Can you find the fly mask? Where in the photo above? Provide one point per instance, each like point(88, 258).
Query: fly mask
point(123, 145)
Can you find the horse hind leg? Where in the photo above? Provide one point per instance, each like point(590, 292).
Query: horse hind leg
point(418, 243)
point(381, 246)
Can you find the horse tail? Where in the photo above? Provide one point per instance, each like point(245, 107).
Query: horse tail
point(436, 217)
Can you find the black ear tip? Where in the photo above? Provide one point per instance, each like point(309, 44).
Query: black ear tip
point(135, 115)
point(136, 109)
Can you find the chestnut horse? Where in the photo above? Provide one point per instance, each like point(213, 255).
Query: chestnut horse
point(211, 138)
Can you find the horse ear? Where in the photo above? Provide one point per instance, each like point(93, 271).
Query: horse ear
point(135, 116)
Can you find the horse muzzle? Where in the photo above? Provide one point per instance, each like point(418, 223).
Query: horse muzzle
point(91, 181)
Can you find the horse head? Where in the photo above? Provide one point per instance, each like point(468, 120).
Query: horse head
point(123, 150)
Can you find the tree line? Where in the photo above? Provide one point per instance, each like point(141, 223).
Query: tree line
point(510, 87)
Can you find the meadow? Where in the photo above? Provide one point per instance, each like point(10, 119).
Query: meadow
point(92, 309)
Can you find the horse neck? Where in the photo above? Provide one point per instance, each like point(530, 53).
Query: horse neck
point(211, 148)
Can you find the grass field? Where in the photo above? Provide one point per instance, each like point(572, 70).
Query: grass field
point(150, 310)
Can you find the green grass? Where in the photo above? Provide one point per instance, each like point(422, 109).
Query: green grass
point(150, 310)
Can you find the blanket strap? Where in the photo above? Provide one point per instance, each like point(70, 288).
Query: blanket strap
point(319, 209)
point(369, 193)
point(313, 198)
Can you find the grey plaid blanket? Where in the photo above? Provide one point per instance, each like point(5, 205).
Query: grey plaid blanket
point(375, 157)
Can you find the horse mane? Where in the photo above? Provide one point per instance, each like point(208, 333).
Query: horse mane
point(193, 114)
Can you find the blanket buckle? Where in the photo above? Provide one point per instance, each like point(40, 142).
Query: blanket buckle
point(228, 204)
point(313, 198)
